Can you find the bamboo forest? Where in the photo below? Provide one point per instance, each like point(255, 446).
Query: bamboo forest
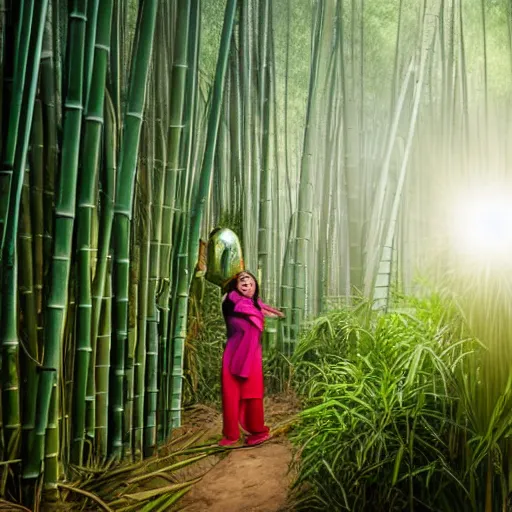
point(353, 155)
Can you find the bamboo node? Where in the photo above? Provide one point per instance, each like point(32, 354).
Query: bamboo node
point(102, 47)
point(95, 119)
point(137, 115)
point(73, 105)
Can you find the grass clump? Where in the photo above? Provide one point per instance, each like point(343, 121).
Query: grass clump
point(385, 424)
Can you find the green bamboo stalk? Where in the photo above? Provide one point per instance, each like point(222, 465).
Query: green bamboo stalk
point(116, 57)
point(206, 172)
point(37, 212)
point(160, 59)
point(56, 307)
point(351, 150)
point(486, 87)
point(102, 368)
point(132, 326)
point(3, 11)
point(180, 310)
point(155, 276)
point(265, 209)
point(221, 181)
point(374, 233)
point(91, 45)
point(383, 279)
point(190, 117)
point(85, 210)
point(9, 320)
point(108, 180)
point(21, 53)
point(29, 360)
point(142, 311)
point(277, 203)
point(52, 107)
point(181, 257)
point(326, 190)
point(172, 171)
point(322, 41)
point(236, 128)
point(250, 175)
point(59, 33)
point(123, 209)
point(153, 314)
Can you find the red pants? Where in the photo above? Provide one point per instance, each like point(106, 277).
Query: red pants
point(248, 412)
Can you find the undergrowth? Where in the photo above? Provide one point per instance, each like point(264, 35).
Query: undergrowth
point(387, 423)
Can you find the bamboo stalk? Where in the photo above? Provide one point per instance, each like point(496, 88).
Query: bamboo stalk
point(50, 90)
point(86, 205)
point(207, 166)
point(57, 304)
point(145, 227)
point(172, 171)
point(9, 320)
point(21, 56)
point(28, 251)
point(108, 180)
point(102, 370)
point(123, 210)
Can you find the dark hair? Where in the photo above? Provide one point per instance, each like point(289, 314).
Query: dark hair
point(232, 285)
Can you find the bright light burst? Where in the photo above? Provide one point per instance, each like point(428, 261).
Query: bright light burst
point(482, 225)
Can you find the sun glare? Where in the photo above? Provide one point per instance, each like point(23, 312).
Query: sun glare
point(483, 225)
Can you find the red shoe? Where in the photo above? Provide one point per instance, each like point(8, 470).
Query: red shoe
point(227, 442)
point(257, 439)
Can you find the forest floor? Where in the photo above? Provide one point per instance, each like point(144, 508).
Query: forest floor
point(238, 479)
point(255, 479)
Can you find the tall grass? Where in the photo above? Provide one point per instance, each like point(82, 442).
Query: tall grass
point(387, 424)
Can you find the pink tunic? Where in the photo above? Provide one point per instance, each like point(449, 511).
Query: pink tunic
point(242, 362)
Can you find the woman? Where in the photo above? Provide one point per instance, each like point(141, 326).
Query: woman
point(242, 362)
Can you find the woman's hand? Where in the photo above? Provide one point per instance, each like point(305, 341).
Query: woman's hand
point(272, 312)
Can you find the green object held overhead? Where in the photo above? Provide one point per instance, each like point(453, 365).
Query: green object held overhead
point(224, 256)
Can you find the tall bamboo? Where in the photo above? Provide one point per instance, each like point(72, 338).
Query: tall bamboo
point(153, 313)
point(145, 229)
point(183, 271)
point(93, 16)
point(9, 319)
point(86, 205)
point(50, 96)
point(21, 55)
point(102, 370)
point(29, 371)
point(265, 211)
point(56, 307)
point(321, 44)
point(172, 172)
point(123, 208)
point(250, 174)
point(206, 169)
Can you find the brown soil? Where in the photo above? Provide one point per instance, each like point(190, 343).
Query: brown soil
point(237, 479)
point(246, 479)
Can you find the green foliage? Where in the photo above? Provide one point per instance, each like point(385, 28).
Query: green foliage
point(384, 427)
point(205, 344)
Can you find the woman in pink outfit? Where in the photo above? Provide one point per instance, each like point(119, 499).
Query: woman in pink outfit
point(242, 362)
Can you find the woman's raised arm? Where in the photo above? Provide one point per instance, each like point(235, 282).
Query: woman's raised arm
point(270, 311)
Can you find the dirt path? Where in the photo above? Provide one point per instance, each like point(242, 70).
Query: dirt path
point(246, 479)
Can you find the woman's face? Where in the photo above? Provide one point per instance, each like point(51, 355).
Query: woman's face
point(246, 285)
